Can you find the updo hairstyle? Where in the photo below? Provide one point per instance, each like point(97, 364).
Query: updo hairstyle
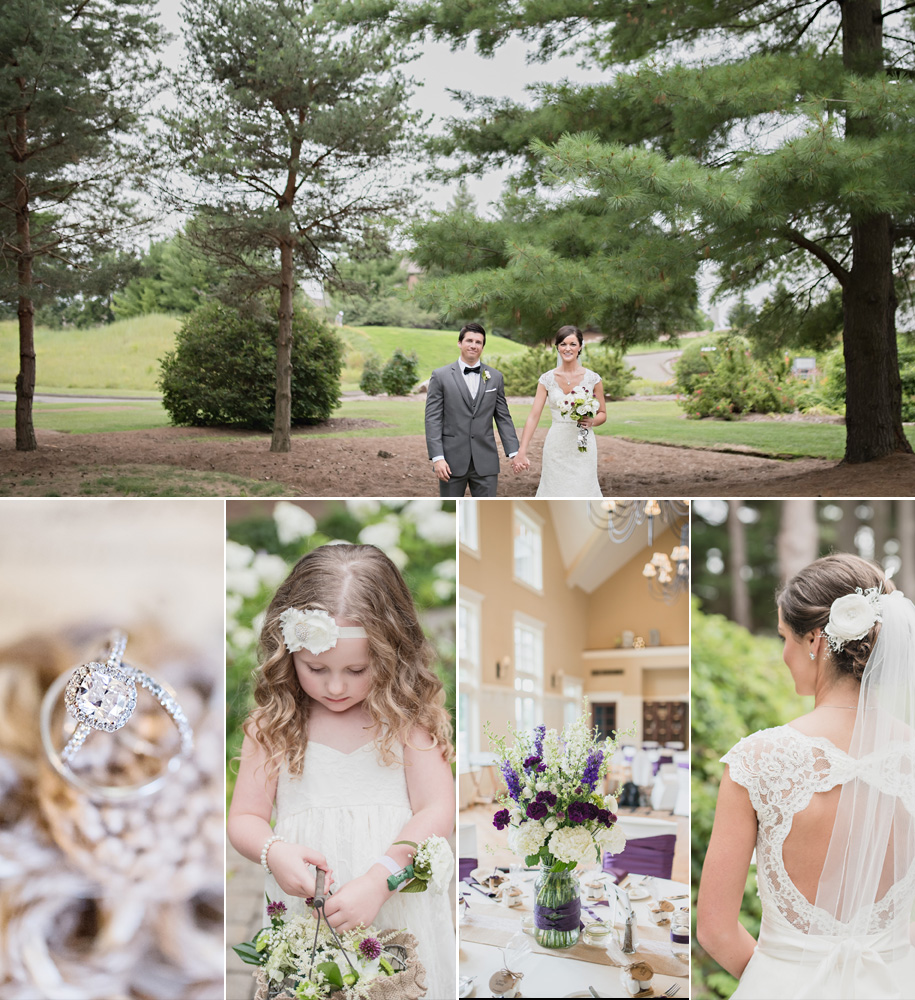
point(568, 331)
point(806, 600)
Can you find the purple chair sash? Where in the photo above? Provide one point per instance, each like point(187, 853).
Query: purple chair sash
point(663, 759)
point(645, 856)
point(465, 867)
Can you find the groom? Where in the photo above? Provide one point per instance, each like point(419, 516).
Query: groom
point(463, 400)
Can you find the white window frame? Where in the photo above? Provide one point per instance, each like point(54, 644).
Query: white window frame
point(470, 674)
point(526, 523)
point(469, 526)
point(528, 678)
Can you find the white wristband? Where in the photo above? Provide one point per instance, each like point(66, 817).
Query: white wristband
point(392, 866)
point(267, 845)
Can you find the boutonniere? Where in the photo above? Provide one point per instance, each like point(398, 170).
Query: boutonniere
point(486, 375)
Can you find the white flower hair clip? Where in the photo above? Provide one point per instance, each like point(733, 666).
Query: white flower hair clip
point(851, 617)
point(315, 630)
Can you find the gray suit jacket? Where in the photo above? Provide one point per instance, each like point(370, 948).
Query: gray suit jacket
point(460, 427)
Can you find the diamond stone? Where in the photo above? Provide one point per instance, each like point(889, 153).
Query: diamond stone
point(103, 697)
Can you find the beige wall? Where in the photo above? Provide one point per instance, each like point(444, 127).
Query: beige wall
point(575, 622)
point(623, 602)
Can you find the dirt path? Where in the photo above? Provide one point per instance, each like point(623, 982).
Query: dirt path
point(397, 466)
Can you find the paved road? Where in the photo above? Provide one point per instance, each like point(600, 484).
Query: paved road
point(656, 366)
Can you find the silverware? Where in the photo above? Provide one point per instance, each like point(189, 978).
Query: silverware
point(671, 991)
point(594, 992)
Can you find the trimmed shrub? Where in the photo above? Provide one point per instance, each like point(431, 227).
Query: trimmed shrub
point(615, 374)
point(371, 382)
point(223, 369)
point(693, 364)
point(736, 384)
point(522, 371)
point(400, 374)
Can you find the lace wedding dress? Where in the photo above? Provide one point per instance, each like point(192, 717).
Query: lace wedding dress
point(566, 471)
point(803, 950)
point(351, 807)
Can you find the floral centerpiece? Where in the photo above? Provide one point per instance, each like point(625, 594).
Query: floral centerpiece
point(556, 817)
point(580, 404)
point(362, 964)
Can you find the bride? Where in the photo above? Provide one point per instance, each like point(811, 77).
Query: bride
point(565, 470)
point(827, 801)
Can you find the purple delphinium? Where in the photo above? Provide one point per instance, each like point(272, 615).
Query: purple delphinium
point(512, 781)
point(539, 733)
point(277, 909)
point(501, 819)
point(370, 948)
point(592, 770)
point(537, 810)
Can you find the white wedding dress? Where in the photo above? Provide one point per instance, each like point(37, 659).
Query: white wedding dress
point(566, 471)
point(803, 950)
point(351, 807)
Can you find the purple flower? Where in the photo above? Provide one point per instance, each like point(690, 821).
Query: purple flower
point(539, 733)
point(277, 909)
point(537, 810)
point(370, 948)
point(578, 811)
point(603, 816)
point(534, 764)
point(592, 770)
point(501, 819)
point(511, 780)
point(548, 797)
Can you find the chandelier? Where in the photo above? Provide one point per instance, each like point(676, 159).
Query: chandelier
point(667, 575)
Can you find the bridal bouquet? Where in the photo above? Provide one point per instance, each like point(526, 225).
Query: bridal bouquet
point(578, 405)
point(556, 818)
point(367, 962)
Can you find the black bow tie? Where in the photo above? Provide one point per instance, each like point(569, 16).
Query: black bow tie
point(474, 371)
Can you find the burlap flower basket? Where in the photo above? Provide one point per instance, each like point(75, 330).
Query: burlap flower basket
point(407, 985)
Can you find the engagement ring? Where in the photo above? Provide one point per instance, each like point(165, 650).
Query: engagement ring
point(103, 696)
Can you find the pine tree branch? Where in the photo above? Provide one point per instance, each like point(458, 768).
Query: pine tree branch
point(904, 233)
point(799, 239)
point(896, 10)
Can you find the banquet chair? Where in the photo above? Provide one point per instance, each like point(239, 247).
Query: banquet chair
point(650, 845)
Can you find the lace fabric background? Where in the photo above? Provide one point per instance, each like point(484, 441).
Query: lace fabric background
point(105, 901)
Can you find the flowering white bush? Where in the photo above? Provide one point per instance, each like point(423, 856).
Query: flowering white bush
point(292, 522)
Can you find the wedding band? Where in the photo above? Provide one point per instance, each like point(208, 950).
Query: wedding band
point(103, 696)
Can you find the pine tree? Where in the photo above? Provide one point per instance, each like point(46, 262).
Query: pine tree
point(74, 77)
point(293, 118)
point(772, 138)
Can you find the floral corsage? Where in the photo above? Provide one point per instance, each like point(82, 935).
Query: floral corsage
point(431, 868)
point(851, 617)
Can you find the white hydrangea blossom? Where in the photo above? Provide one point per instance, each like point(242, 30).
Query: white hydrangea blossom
point(527, 838)
point(612, 839)
point(384, 535)
point(572, 843)
point(363, 508)
point(292, 522)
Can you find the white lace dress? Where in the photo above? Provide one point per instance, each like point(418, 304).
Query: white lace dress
point(566, 471)
point(803, 951)
point(352, 807)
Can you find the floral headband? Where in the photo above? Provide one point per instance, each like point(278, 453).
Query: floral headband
point(851, 617)
point(315, 630)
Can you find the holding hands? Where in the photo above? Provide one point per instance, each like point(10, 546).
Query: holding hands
point(520, 462)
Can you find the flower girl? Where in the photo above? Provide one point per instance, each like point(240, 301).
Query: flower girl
point(351, 744)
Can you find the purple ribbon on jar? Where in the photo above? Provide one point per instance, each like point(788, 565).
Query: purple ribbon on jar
point(561, 918)
point(679, 938)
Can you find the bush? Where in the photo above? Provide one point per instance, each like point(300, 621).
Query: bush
point(737, 384)
point(400, 374)
point(615, 374)
point(223, 369)
point(522, 371)
point(693, 364)
point(371, 382)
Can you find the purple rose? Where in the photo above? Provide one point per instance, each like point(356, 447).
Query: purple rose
point(501, 819)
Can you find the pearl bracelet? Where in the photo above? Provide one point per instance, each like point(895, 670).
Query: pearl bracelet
point(269, 843)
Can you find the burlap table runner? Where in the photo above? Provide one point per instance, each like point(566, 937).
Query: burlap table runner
point(493, 924)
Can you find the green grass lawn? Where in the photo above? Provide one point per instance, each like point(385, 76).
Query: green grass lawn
point(119, 357)
point(90, 418)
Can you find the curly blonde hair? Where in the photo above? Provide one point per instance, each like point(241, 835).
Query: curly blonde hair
point(360, 583)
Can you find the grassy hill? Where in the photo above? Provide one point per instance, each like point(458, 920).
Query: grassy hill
point(124, 357)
